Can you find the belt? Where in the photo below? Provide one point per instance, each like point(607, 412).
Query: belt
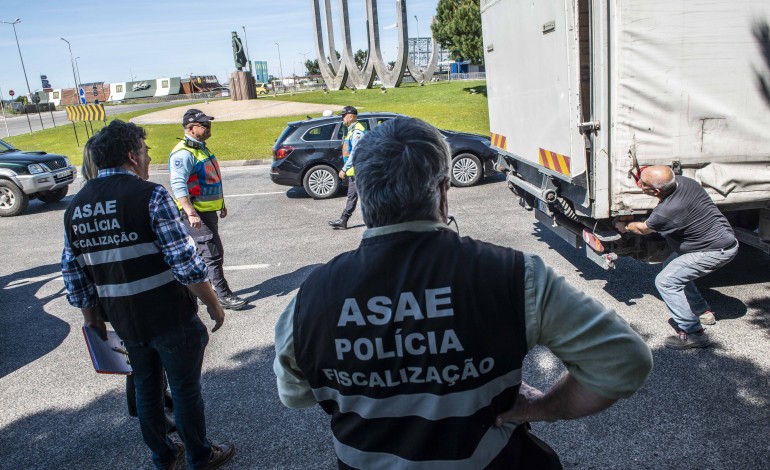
point(733, 245)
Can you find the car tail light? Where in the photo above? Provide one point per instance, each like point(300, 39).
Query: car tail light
point(282, 152)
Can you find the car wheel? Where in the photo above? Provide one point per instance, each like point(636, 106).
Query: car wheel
point(466, 170)
point(321, 182)
point(13, 201)
point(53, 196)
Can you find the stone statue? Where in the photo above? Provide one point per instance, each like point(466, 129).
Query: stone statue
point(238, 54)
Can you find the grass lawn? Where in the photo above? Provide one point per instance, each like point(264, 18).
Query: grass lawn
point(448, 105)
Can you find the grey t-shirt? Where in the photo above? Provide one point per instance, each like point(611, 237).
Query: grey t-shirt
point(690, 220)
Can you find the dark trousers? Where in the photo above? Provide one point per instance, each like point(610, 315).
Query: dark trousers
point(350, 204)
point(211, 250)
point(180, 352)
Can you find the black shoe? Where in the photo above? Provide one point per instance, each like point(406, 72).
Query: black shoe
point(232, 302)
point(683, 340)
point(339, 224)
point(220, 455)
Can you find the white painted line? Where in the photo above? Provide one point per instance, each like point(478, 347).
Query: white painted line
point(227, 196)
point(244, 267)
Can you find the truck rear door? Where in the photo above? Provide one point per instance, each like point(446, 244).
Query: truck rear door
point(533, 79)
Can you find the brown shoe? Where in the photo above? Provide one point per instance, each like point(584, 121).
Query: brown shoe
point(220, 455)
point(179, 457)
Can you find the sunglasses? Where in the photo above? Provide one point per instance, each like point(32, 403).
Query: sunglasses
point(206, 124)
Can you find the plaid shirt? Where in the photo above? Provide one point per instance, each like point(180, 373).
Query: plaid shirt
point(176, 244)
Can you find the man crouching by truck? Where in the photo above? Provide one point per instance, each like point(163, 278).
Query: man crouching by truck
point(701, 241)
point(418, 355)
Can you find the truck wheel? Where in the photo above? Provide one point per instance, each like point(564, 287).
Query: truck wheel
point(321, 182)
point(466, 170)
point(13, 201)
point(53, 196)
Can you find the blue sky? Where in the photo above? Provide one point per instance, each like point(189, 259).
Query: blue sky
point(148, 39)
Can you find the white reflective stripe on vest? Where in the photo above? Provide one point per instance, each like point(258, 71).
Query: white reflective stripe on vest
point(118, 254)
point(135, 287)
point(493, 442)
point(423, 405)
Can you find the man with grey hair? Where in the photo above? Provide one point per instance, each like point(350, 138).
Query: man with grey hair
point(418, 355)
point(701, 241)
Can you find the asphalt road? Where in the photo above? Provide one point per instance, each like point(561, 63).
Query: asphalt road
point(705, 409)
point(18, 124)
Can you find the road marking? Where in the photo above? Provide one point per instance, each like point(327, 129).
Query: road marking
point(244, 267)
point(227, 196)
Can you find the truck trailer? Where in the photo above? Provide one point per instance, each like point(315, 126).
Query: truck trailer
point(584, 93)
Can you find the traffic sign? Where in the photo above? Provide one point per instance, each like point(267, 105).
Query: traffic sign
point(82, 94)
point(11, 92)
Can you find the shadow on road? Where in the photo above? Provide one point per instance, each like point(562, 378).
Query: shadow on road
point(277, 286)
point(242, 406)
point(31, 333)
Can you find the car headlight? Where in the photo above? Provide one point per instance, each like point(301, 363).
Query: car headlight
point(35, 169)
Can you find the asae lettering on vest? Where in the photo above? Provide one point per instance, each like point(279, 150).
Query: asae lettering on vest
point(438, 303)
point(99, 208)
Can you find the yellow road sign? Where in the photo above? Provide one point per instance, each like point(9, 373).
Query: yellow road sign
point(85, 112)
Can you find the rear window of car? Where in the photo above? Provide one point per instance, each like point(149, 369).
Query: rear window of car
point(285, 134)
point(315, 134)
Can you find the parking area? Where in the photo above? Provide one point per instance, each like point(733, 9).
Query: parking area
point(701, 409)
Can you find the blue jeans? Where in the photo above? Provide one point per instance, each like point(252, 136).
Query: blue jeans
point(180, 352)
point(676, 287)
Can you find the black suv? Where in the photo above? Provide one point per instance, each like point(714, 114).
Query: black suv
point(309, 154)
point(30, 175)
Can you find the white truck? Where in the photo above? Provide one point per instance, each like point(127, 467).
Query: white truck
point(584, 92)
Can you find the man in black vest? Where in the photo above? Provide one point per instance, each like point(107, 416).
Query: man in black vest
point(418, 355)
point(126, 250)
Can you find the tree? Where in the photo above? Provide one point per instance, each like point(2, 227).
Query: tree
point(360, 57)
point(457, 28)
point(312, 67)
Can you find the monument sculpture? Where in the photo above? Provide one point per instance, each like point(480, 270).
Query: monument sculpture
point(337, 73)
point(242, 84)
point(239, 55)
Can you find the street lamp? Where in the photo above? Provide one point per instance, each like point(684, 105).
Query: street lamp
point(304, 58)
point(29, 91)
point(417, 42)
point(280, 65)
point(77, 69)
point(74, 76)
point(246, 38)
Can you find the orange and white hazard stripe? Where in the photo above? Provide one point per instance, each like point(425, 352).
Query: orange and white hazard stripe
point(555, 161)
point(498, 141)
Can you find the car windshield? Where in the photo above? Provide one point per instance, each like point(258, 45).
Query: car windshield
point(5, 147)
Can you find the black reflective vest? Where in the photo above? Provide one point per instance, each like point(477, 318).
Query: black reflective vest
point(413, 344)
point(109, 230)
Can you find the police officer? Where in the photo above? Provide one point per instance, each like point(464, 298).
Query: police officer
point(417, 355)
point(127, 253)
point(196, 183)
point(355, 130)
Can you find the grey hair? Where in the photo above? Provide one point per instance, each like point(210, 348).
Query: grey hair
point(400, 167)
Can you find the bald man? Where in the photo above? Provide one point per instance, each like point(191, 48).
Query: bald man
point(701, 241)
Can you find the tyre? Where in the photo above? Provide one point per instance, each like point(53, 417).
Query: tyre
point(53, 196)
point(321, 182)
point(13, 201)
point(466, 170)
